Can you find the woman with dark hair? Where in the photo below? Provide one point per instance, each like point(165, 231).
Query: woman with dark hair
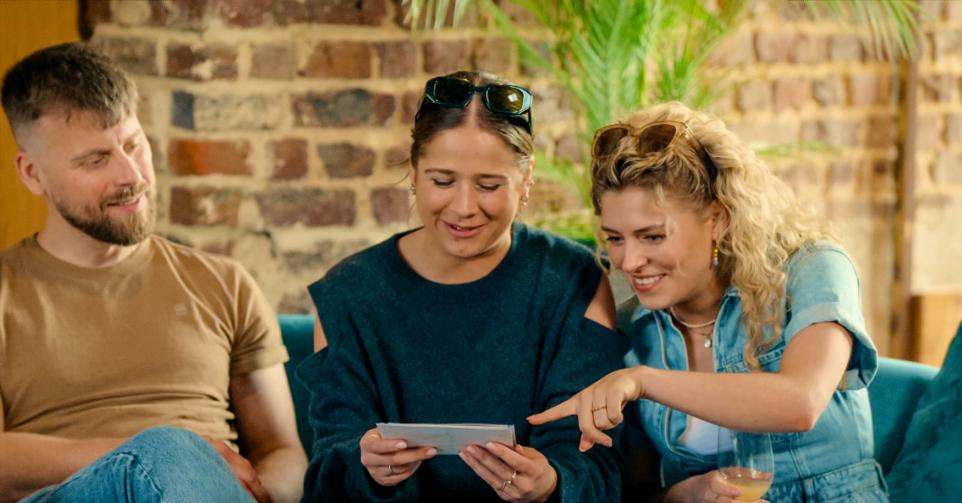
point(469, 318)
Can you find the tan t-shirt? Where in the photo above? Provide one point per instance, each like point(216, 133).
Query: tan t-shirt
point(110, 352)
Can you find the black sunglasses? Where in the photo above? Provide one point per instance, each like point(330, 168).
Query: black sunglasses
point(501, 99)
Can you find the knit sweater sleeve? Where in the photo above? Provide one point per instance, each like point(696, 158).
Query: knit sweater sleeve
point(344, 405)
point(585, 351)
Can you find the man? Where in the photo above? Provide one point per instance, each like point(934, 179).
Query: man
point(131, 368)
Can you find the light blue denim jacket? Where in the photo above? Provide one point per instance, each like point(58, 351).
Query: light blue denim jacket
point(833, 461)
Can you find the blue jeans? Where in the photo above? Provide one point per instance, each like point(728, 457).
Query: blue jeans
point(162, 464)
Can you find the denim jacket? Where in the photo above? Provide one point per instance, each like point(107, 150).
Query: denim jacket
point(831, 461)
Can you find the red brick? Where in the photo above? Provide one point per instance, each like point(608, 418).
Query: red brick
point(288, 12)
point(341, 59)
point(809, 49)
point(732, 51)
point(773, 47)
point(391, 205)
point(204, 206)
point(492, 55)
point(791, 93)
point(938, 88)
point(364, 12)
point(202, 157)
point(181, 14)
point(471, 18)
point(348, 108)
point(346, 160)
point(445, 56)
point(846, 47)
point(865, 89)
point(224, 112)
point(754, 95)
point(311, 207)
point(272, 61)
point(216, 61)
point(398, 157)
point(245, 13)
point(829, 91)
point(882, 132)
point(290, 158)
point(136, 55)
point(397, 59)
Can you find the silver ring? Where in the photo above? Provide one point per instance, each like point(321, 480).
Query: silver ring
point(505, 484)
point(390, 470)
point(514, 475)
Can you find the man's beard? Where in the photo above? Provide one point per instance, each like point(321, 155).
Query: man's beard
point(96, 223)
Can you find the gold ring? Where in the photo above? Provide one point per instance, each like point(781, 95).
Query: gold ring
point(596, 409)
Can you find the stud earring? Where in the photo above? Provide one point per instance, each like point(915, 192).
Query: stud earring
point(714, 258)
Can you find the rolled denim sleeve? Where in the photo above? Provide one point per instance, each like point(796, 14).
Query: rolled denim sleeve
point(823, 286)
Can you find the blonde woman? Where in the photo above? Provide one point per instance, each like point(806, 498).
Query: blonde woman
point(749, 318)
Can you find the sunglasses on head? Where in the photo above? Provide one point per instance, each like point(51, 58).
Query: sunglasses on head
point(652, 139)
point(501, 99)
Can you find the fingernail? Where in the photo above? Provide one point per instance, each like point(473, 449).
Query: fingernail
point(470, 449)
point(432, 451)
point(489, 445)
point(402, 445)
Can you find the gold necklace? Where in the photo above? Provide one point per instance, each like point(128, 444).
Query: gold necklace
point(694, 326)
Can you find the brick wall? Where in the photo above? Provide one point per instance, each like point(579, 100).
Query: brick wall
point(280, 127)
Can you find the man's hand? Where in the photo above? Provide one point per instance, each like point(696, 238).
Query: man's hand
point(243, 469)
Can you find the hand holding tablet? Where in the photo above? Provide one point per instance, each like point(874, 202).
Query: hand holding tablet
point(448, 438)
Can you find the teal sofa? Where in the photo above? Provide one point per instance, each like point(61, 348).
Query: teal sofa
point(894, 393)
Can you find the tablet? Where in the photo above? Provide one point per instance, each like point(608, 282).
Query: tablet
point(448, 438)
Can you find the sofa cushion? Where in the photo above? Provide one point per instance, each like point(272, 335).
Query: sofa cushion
point(927, 468)
point(894, 394)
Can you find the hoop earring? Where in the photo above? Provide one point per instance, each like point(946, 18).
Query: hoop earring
point(524, 199)
point(714, 258)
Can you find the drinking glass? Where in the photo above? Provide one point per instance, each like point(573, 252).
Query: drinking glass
point(745, 461)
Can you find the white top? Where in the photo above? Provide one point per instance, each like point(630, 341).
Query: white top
point(700, 436)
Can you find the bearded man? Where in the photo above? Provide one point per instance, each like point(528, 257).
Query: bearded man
point(131, 368)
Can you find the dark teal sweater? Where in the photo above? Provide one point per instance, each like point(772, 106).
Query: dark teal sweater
point(405, 349)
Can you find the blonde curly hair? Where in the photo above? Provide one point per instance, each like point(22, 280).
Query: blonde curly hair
point(766, 223)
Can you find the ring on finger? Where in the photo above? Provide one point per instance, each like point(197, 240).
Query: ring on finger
point(596, 409)
point(514, 476)
point(505, 484)
point(390, 470)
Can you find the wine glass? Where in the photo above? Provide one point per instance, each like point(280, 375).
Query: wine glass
point(745, 461)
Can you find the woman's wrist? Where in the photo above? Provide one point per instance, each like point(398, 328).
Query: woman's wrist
point(641, 376)
point(551, 487)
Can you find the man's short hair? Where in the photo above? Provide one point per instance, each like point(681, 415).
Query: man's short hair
point(67, 78)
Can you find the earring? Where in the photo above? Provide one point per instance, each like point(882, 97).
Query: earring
point(414, 191)
point(714, 258)
point(524, 199)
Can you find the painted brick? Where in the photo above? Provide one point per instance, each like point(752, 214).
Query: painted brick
point(207, 157)
point(845, 47)
point(941, 88)
point(346, 160)
point(808, 49)
point(136, 55)
point(773, 47)
point(272, 61)
point(352, 107)
point(829, 91)
point(311, 207)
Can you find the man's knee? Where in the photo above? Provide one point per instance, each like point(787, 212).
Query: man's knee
point(165, 438)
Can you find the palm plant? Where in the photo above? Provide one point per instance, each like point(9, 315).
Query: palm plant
point(616, 56)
